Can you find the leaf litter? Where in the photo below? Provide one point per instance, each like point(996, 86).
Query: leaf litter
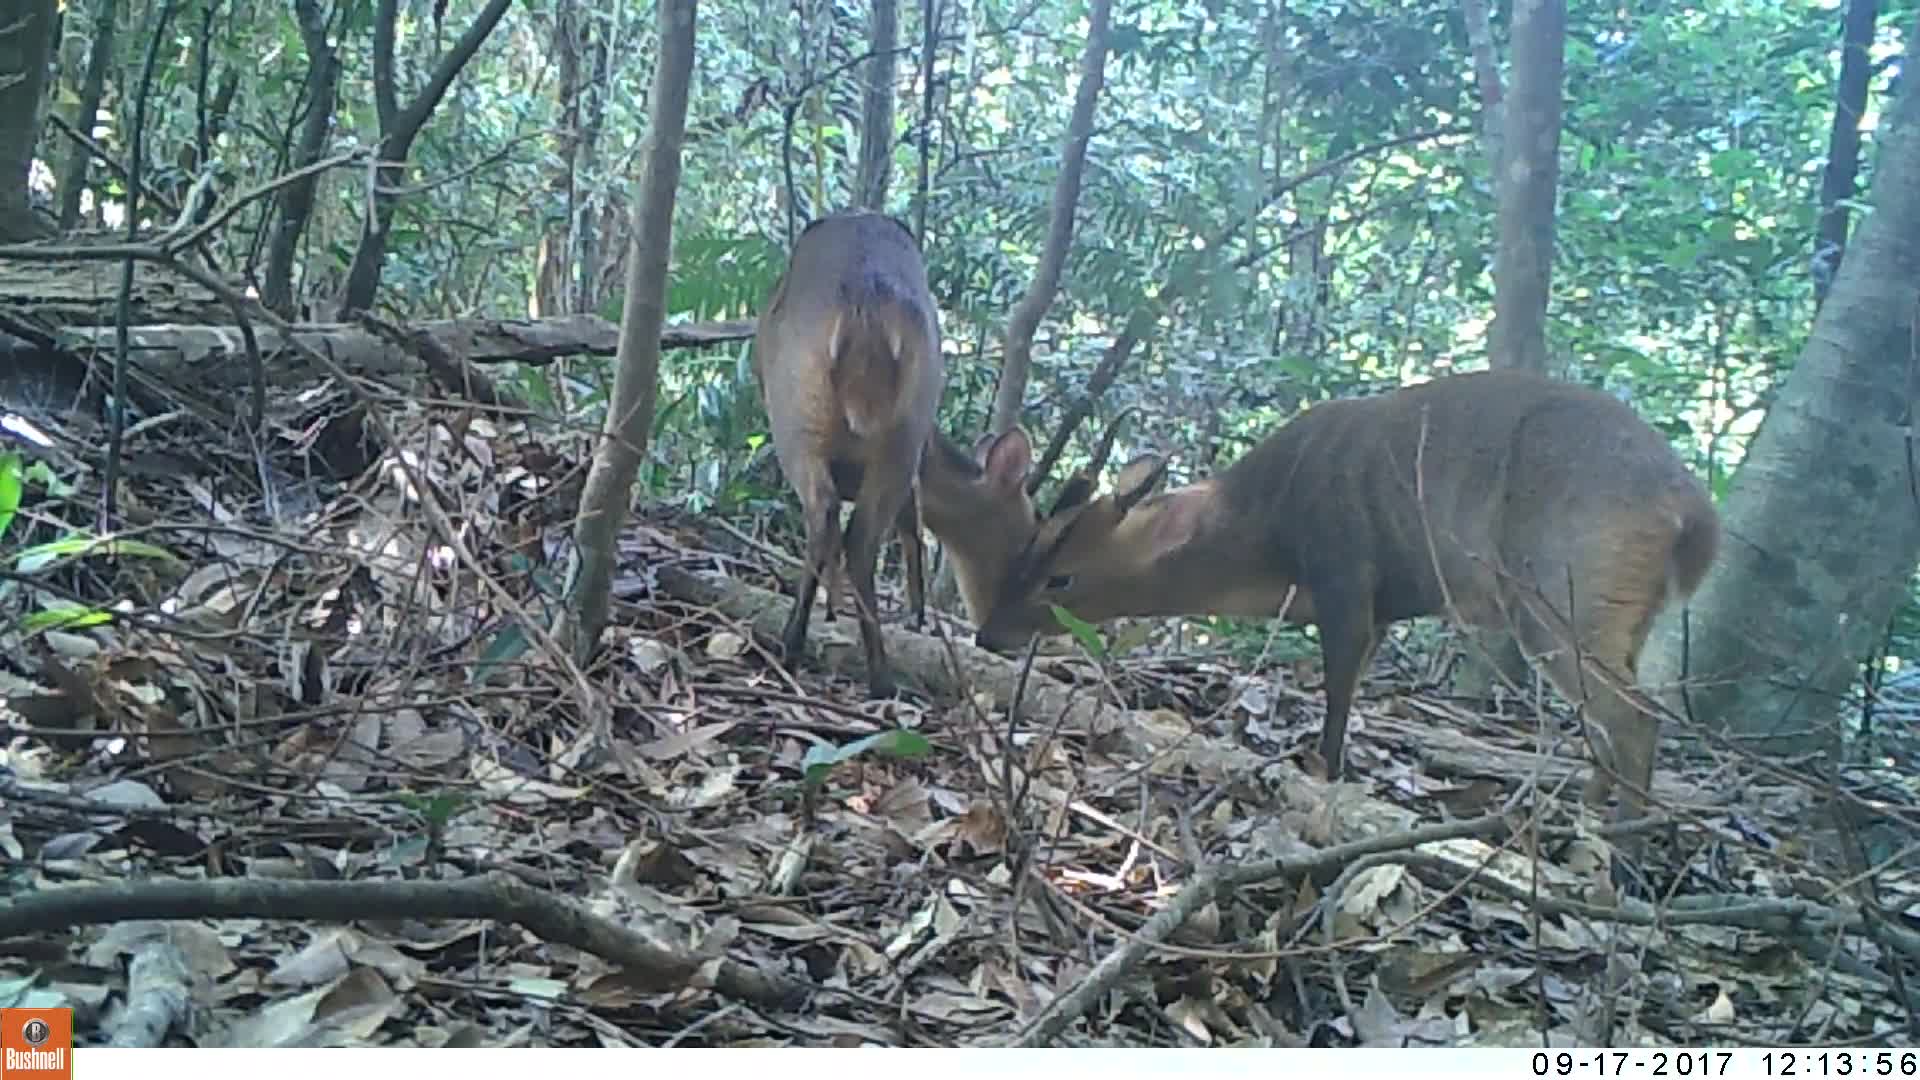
point(331, 695)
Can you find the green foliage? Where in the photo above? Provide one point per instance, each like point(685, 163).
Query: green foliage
point(1264, 164)
point(1084, 633)
point(722, 275)
point(52, 556)
point(60, 614)
point(436, 810)
point(12, 479)
point(1693, 137)
point(822, 759)
point(1903, 635)
point(1247, 641)
point(79, 546)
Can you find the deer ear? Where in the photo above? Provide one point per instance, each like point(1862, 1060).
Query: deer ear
point(1006, 459)
point(1178, 520)
point(1138, 480)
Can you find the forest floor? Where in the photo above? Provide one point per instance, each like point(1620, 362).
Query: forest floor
point(318, 687)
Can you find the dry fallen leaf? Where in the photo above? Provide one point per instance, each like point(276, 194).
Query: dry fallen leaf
point(1720, 1012)
point(726, 645)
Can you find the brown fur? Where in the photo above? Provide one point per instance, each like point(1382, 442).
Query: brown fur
point(977, 505)
point(848, 358)
point(1530, 492)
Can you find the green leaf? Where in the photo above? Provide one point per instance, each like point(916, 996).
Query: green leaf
point(41, 556)
point(1083, 632)
point(899, 743)
point(10, 483)
point(407, 851)
point(42, 474)
point(438, 808)
point(509, 644)
point(65, 617)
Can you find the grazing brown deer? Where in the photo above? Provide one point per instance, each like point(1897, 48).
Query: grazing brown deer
point(978, 506)
point(1501, 498)
point(847, 354)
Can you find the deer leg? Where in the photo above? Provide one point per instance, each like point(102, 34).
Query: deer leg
point(874, 513)
point(835, 587)
point(1347, 640)
point(820, 504)
point(1593, 661)
point(1623, 728)
point(913, 554)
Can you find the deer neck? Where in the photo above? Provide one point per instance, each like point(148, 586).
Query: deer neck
point(1219, 565)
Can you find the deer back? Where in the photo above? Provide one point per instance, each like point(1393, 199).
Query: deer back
point(848, 345)
point(1423, 499)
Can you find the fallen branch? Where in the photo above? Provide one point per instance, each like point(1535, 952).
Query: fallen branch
point(1801, 923)
point(195, 353)
point(451, 373)
point(495, 896)
point(159, 996)
point(1202, 889)
point(920, 657)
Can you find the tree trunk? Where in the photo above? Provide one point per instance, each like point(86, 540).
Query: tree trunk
point(93, 87)
point(609, 485)
point(1486, 76)
point(26, 45)
point(1011, 395)
point(1822, 531)
point(553, 261)
point(585, 235)
point(1843, 145)
point(876, 115)
point(929, 39)
point(1526, 184)
point(1523, 146)
point(294, 206)
point(944, 593)
point(398, 129)
point(1105, 373)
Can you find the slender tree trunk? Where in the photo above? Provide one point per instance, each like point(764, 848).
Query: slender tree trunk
point(221, 107)
point(554, 259)
point(1308, 269)
point(605, 499)
point(1822, 525)
point(585, 238)
point(1527, 184)
point(1105, 374)
point(1011, 395)
point(945, 591)
point(26, 46)
point(1486, 78)
point(294, 206)
point(1522, 131)
point(876, 115)
point(1843, 145)
point(93, 87)
point(1301, 314)
point(929, 39)
point(398, 128)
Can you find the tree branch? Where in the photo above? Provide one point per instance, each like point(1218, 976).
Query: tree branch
point(495, 896)
point(1018, 361)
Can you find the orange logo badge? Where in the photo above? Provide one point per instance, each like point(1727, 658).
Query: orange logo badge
point(36, 1044)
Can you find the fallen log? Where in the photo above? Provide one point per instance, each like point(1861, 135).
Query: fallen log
point(213, 355)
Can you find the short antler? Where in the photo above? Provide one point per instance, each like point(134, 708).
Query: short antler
point(1082, 483)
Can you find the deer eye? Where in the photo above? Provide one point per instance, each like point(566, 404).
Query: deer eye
point(1059, 582)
